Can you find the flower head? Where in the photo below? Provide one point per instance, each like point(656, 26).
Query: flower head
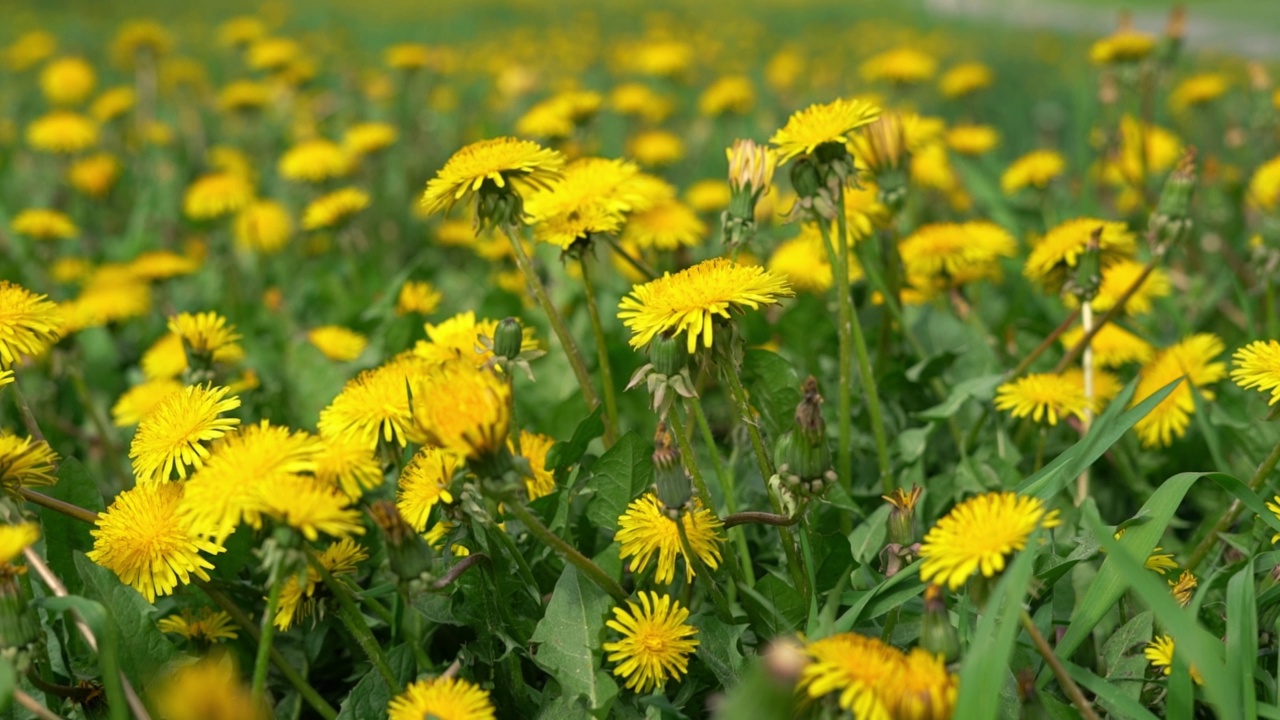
point(205, 626)
point(965, 79)
point(205, 334)
point(461, 337)
point(25, 462)
point(731, 94)
point(1192, 359)
point(972, 139)
point(143, 540)
point(338, 343)
point(43, 224)
point(297, 598)
point(645, 530)
point(315, 160)
point(425, 482)
point(171, 437)
point(112, 103)
point(243, 95)
point(803, 261)
point(1257, 365)
point(1061, 247)
point(14, 538)
point(1117, 278)
point(1044, 397)
point(688, 301)
point(523, 164)
point(667, 225)
point(1113, 346)
point(463, 408)
point(329, 210)
point(138, 401)
point(206, 689)
point(1160, 652)
point(263, 226)
point(1124, 45)
point(373, 404)
point(943, 255)
point(979, 534)
point(655, 148)
point(369, 137)
point(856, 668)
point(310, 505)
point(817, 125)
point(62, 132)
point(448, 698)
point(656, 642)
point(216, 195)
point(29, 323)
point(751, 166)
point(95, 174)
point(924, 689)
point(902, 65)
point(347, 463)
point(417, 297)
point(558, 116)
point(1035, 169)
point(591, 197)
point(67, 80)
point(1183, 588)
point(534, 448)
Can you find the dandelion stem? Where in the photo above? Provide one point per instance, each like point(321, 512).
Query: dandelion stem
point(355, 623)
point(602, 353)
point(99, 422)
point(1068, 685)
point(458, 570)
point(557, 321)
point(727, 487)
point(1110, 315)
point(691, 461)
point(1086, 322)
point(1044, 345)
point(72, 511)
point(1259, 478)
point(844, 303)
point(631, 260)
point(759, 518)
point(264, 640)
point(570, 553)
point(24, 409)
point(701, 571)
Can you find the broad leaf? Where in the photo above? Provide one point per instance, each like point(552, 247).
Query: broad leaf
point(569, 642)
point(619, 476)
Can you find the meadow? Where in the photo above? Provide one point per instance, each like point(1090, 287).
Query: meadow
point(634, 360)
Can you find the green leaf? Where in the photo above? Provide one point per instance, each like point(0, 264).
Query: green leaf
point(564, 454)
point(64, 535)
point(107, 634)
point(1110, 697)
point(986, 662)
point(854, 614)
point(980, 388)
point(759, 696)
point(1137, 630)
point(868, 537)
point(568, 640)
point(774, 388)
point(145, 651)
point(775, 608)
point(718, 649)
point(619, 476)
point(1242, 634)
point(8, 682)
point(370, 696)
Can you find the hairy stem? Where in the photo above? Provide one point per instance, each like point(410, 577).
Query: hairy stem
point(1068, 685)
point(727, 486)
point(602, 353)
point(570, 553)
point(690, 460)
point(264, 641)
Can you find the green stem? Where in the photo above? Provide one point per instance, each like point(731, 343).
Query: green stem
point(691, 461)
point(378, 609)
point(570, 553)
point(1259, 478)
point(702, 571)
point(844, 304)
point(602, 353)
point(864, 360)
point(71, 511)
point(264, 641)
point(557, 321)
point(1044, 345)
point(1064, 679)
point(1110, 315)
point(727, 488)
point(631, 259)
point(356, 625)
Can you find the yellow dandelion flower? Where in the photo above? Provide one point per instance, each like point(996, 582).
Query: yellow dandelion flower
point(14, 538)
point(1113, 346)
point(1145, 150)
point(979, 534)
point(709, 196)
point(315, 161)
point(338, 343)
point(162, 265)
point(425, 482)
point(245, 474)
point(165, 359)
point(1124, 45)
point(368, 138)
point(29, 323)
point(639, 100)
point(112, 294)
point(243, 95)
point(729, 95)
point(1257, 365)
point(70, 270)
point(372, 405)
point(646, 532)
point(171, 437)
point(62, 132)
point(591, 197)
point(67, 81)
point(136, 37)
point(206, 689)
point(1043, 397)
point(297, 599)
point(138, 401)
point(1116, 280)
point(232, 160)
point(534, 448)
point(142, 539)
point(463, 408)
point(204, 626)
point(558, 116)
point(345, 462)
point(94, 175)
point(1274, 506)
point(310, 506)
point(417, 297)
point(273, 53)
point(655, 148)
point(903, 65)
point(263, 226)
point(656, 642)
point(951, 254)
point(1191, 359)
point(1105, 386)
point(924, 690)
point(688, 301)
point(668, 225)
point(966, 79)
point(803, 261)
point(449, 698)
point(522, 163)
point(205, 334)
point(820, 124)
point(659, 58)
point(112, 103)
point(408, 56)
point(1160, 652)
point(1035, 169)
point(330, 210)
point(43, 224)
point(30, 49)
point(241, 31)
point(972, 140)
point(1264, 186)
point(25, 462)
point(1061, 247)
point(858, 669)
point(6, 377)
point(216, 195)
point(1159, 562)
point(459, 337)
point(1183, 588)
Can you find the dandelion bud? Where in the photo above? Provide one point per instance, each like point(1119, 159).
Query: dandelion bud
point(937, 634)
point(785, 659)
point(809, 419)
point(902, 517)
point(1088, 276)
point(407, 553)
point(1171, 220)
point(883, 147)
point(805, 178)
point(669, 355)
point(751, 167)
point(669, 479)
point(508, 339)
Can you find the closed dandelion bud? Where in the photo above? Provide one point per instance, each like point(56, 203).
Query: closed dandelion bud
point(937, 634)
point(805, 178)
point(884, 146)
point(901, 523)
point(799, 460)
point(751, 168)
point(669, 479)
point(1171, 221)
point(508, 339)
point(407, 553)
point(809, 419)
point(1088, 275)
point(668, 355)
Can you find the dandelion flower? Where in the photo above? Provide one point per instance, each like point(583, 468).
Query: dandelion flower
point(43, 224)
point(803, 261)
point(62, 132)
point(1257, 365)
point(162, 265)
point(1035, 169)
point(408, 56)
point(243, 95)
point(1105, 386)
point(1160, 652)
point(972, 140)
point(820, 124)
point(688, 301)
point(857, 668)
point(924, 690)
point(1113, 346)
point(1123, 46)
point(1264, 186)
point(534, 448)
point(331, 209)
point(943, 255)
point(463, 408)
point(656, 642)
point(29, 323)
point(338, 343)
point(417, 297)
point(966, 79)
point(373, 404)
point(1145, 150)
point(709, 196)
point(522, 163)
point(731, 94)
point(263, 226)
point(1043, 397)
point(272, 53)
point(558, 116)
point(1192, 359)
point(979, 534)
point(668, 225)
point(14, 538)
point(459, 337)
point(346, 463)
point(67, 80)
point(1183, 588)
point(206, 689)
point(368, 138)
point(138, 401)
point(1116, 281)
point(297, 598)
point(1061, 247)
point(95, 174)
point(902, 65)
point(590, 198)
point(315, 161)
point(25, 462)
point(1199, 89)
point(30, 49)
point(136, 37)
point(449, 698)
point(310, 506)
point(144, 541)
point(112, 103)
point(171, 437)
point(645, 530)
point(216, 195)
point(639, 100)
point(204, 626)
point(655, 148)
point(204, 334)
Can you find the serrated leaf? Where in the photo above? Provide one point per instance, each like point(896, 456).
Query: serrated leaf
point(144, 650)
point(618, 477)
point(369, 698)
point(564, 454)
point(64, 535)
point(774, 389)
point(568, 640)
point(866, 540)
point(1137, 630)
point(718, 649)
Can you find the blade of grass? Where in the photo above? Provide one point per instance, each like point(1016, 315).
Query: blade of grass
point(1242, 634)
point(1109, 696)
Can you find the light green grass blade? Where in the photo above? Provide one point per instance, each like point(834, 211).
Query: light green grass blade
point(1242, 635)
